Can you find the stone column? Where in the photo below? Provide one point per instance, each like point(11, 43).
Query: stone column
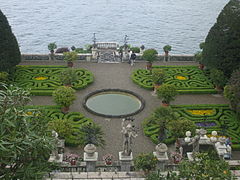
point(125, 161)
point(161, 155)
point(94, 53)
point(90, 156)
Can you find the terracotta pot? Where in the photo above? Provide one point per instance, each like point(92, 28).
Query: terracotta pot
point(65, 109)
point(108, 162)
point(73, 162)
point(70, 64)
point(201, 66)
point(164, 103)
point(149, 66)
point(68, 85)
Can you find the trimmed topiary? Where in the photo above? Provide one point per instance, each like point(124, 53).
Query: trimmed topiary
point(9, 50)
point(167, 93)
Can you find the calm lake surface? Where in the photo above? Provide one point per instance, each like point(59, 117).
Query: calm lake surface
point(181, 23)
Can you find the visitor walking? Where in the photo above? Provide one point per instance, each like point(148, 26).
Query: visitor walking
point(132, 58)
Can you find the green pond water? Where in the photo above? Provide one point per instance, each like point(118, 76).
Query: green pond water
point(113, 103)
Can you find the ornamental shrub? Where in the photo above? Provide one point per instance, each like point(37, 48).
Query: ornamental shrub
point(68, 76)
point(158, 76)
point(52, 46)
point(217, 77)
point(9, 50)
point(64, 96)
point(222, 48)
point(167, 92)
point(145, 162)
point(150, 55)
point(167, 48)
point(70, 56)
point(63, 127)
point(3, 77)
point(135, 49)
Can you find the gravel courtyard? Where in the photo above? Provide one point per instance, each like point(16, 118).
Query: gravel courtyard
point(111, 75)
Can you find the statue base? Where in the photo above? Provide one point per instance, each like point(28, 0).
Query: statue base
point(162, 159)
point(53, 158)
point(125, 161)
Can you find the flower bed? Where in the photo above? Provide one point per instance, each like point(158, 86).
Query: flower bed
point(76, 118)
point(187, 79)
point(43, 80)
point(220, 119)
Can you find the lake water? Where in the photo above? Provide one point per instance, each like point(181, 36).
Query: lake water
point(181, 23)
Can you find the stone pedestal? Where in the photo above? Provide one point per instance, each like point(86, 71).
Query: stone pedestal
point(125, 161)
point(161, 155)
point(94, 53)
point(90, 161)
point(55, 159)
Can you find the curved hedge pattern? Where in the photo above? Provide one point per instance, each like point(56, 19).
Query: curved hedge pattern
point(77, 120)
point(193, 79)
point(30, 77)
point(223, 117)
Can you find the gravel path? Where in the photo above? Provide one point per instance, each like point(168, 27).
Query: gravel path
point(118, 76)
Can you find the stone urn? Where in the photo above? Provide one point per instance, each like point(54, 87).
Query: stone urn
point(90, 149)
point(161, 148)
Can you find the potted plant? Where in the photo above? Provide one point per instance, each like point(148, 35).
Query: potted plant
point(150, 55)
point(64, 97)
point(68, 76)
point(166, 49)
point(69, 57)
point(145, 162)
point(51, 47)
point(108, 159)
point(158, 76)
point(218, 78)
point(167, 92)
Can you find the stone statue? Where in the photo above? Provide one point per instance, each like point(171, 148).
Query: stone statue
point(195, 142)
point(128, 132)
point(56, 141)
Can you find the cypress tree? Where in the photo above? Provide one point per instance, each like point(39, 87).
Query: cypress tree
point(10, 55)
point(222, 44)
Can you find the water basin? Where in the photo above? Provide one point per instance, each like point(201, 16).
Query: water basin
point(114, 103)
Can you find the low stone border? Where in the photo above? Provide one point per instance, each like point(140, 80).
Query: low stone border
point(112, 90)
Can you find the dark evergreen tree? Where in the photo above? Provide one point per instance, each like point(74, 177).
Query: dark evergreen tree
point(222, 44)
point(9, 51)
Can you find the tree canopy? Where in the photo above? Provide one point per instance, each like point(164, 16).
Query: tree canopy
point(25, 143)
point(222, 45)
point(9, 50)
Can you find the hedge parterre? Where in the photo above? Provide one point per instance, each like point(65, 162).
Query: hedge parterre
point(76, 118)
point(43, 80)
point(187, 79)
point(217, 117)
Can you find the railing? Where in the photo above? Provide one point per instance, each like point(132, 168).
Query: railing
point(106, 45)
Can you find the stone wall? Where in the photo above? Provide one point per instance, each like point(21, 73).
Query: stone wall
point(88, 57)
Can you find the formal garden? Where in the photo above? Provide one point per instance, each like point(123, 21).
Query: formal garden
point(43, 104)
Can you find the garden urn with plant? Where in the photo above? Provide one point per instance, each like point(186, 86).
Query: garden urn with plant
point(166, 92)
point(51, 47)
point(150, 55)
point(70, 57)
point(64, 97)
point(158, 76)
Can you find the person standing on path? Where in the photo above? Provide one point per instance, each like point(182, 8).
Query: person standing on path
point(132, 58)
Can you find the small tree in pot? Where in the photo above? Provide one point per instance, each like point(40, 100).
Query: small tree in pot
point(69, 57)
point(51, 47)
point(150, 55)
point(167, 92)
point(145, 162)
point(158, 76)
point(64, 96)
point(68, 76)
point(166, 49)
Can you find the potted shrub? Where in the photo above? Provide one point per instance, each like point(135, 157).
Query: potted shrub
point(218, 78)
point(166, 49)
point(158, 76)
point(167, 92)
point(145, 162)
point(69, 57)
point(51, 47)
point(68, 76)
point(150, 55)
point(64, 97)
